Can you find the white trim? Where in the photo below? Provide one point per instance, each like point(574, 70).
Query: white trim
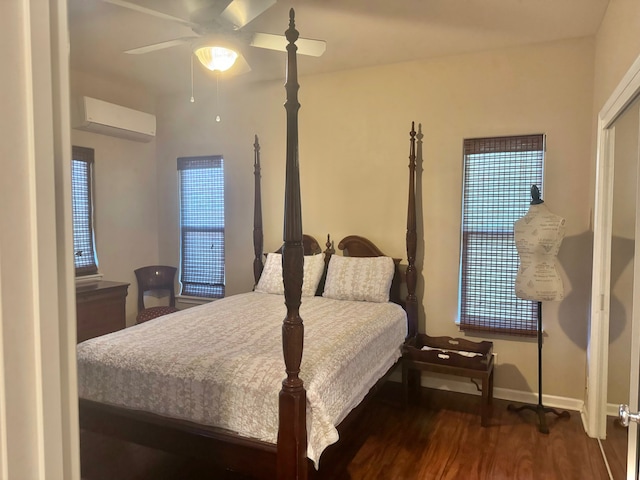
point(622, 96)
point(61, 116)
point(187, 300)
point(634, 380)
point(468, 387)
point(598, 348)
point(612, 409)
point(38, 142)
point(458, 386)
point(88, 279)
point(595, 404)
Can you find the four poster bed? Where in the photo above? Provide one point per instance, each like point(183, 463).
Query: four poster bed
point(204, 381)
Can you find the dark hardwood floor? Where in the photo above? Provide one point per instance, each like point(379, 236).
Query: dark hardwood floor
point(439, 437)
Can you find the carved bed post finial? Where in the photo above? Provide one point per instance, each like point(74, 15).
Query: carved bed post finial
point(411, 274)
point(292, 428)
point(257, 215)
point(330, 250)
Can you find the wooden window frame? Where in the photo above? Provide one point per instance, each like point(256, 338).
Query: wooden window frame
point(202, 223)
point(497, 180)
point(84, 244)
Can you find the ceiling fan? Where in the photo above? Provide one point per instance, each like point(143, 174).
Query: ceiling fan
point(219, 37)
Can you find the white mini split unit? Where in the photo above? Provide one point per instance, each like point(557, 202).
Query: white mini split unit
point(107, 118)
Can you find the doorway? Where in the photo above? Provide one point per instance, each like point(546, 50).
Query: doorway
point(623, 225)
point(614, 364)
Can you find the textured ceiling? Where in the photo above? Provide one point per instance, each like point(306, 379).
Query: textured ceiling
point(358, 33)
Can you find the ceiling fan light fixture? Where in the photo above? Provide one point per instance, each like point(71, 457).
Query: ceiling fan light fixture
point(216, 58)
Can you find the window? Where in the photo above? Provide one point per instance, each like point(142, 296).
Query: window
point(201, 226)
point(498, 175)
point(84, 252)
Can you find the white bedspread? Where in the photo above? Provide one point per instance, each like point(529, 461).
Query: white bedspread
point(221, 364)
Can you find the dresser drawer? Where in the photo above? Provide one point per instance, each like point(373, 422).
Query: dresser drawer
point(100, 308)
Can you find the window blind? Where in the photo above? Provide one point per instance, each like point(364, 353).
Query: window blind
point(498, 174)
point(84, 252)
point(202, 226)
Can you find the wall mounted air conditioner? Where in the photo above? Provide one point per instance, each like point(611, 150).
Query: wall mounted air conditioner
point(98, 116)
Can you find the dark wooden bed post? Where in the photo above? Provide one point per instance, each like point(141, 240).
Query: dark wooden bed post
point(257, 215)
point(292, 426)
point(411, 274)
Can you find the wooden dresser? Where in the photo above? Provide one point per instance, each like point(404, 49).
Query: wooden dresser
point(100, 308)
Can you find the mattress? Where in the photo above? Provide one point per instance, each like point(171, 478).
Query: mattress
point(221, 364)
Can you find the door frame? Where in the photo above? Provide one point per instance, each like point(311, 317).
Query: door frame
point(595, 410)
point(634, 377)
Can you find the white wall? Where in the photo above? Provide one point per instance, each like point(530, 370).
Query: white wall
point(354, 147)
point(126, 188)
point(617, 46)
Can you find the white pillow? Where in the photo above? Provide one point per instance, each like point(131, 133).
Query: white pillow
point(271, 278)
point(313, 270)
point(359, 278)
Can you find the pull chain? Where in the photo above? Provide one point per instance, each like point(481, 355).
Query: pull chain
point(218, 95)
point(192, 99)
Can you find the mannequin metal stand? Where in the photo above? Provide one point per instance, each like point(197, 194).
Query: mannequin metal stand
point(540, 409)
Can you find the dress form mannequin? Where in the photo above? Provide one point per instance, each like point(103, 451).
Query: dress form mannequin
point(538, 236)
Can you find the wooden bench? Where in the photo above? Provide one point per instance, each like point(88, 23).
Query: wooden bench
point(445, 355)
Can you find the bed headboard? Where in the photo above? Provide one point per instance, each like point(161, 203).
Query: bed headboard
point(354, 245)
point(351, 246)
point(310, 246)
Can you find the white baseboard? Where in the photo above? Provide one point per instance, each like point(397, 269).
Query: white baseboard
point(183, 301)
point(553, 401)
point(613, 409)
point(86, 280)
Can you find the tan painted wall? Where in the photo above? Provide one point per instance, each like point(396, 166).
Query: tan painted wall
point(353, 153)
point(617, 47)
point(126, 188)
point(366, 115)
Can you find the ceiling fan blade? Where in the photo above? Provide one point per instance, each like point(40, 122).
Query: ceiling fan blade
point(241, 12)
point(239, 68)
point(306, 46)
point(148, 11)
point(160, 45)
